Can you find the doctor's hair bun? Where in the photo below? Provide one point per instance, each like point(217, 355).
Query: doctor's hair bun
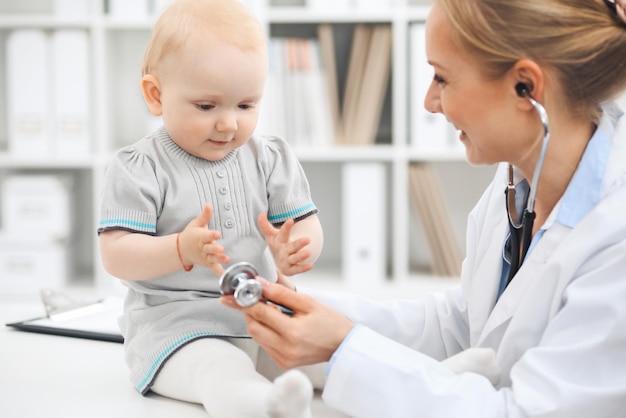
point(580, 42)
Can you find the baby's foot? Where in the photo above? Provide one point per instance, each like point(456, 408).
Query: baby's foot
point(290, 396)
point(476, 360)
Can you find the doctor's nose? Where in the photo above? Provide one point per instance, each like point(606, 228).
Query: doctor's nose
point(432, 101)
point(226, 122)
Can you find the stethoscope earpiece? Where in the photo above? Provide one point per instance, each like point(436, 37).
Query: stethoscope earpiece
point(522, 90)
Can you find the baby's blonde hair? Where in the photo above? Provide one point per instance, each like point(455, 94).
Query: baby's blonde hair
point(582, 41)
point(229, 20)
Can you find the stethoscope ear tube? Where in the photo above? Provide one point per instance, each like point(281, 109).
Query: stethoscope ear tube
point(519, 245)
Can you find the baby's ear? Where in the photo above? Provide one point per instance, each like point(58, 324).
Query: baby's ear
point(152, 94)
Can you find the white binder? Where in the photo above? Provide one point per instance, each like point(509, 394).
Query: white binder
point(364, 220)
point(28, 79)
point(430, 133)
point(129, 9)
point(74, 8)
point(70, 90)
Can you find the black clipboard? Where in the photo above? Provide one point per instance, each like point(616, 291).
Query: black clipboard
point(97, 321)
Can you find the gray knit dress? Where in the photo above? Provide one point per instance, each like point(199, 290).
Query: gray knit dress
point(154, 187)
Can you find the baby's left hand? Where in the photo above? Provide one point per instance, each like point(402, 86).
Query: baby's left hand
point(290, 256)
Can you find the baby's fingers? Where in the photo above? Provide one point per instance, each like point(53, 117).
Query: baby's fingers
point(285, 231)
point(293, 269)
point(214, 253)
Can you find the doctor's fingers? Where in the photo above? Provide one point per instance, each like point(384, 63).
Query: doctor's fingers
point(277, 293)
point(312, 334)
point(261, 322)
point(289, 347)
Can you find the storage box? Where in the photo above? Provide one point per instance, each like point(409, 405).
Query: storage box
point(37, 206)
point(28, 265)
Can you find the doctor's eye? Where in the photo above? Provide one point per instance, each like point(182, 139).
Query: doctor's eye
point(438, 79)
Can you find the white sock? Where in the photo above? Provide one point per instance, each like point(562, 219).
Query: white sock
point(290, 396)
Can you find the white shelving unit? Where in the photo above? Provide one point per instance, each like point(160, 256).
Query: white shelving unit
point(119, 117)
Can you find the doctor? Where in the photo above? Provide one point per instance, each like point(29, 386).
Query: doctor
point(558, 323)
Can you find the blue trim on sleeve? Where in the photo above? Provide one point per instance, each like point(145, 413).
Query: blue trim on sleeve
point(126, 223)
point(291, 214)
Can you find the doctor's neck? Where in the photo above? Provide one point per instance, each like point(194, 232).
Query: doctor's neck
point(569, 137)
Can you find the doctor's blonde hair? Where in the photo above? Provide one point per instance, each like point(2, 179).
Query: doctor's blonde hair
point(583, 42)
point(228, 20)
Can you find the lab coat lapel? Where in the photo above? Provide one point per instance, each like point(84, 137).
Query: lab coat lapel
point(483, 286)
point(529, 273)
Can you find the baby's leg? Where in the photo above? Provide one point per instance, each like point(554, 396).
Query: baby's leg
point(222, 377)
point(476, 360)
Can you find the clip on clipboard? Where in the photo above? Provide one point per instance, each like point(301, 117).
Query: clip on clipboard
point(66, 317)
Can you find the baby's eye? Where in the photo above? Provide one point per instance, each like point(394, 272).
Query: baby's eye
point(205, 106)
point(244, 106)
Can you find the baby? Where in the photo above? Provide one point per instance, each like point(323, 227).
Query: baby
point(175, 200)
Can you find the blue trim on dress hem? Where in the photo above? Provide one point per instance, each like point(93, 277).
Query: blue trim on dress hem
point(141, 387)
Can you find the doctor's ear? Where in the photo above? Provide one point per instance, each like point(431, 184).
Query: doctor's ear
point(151, 90)
point(528, 78)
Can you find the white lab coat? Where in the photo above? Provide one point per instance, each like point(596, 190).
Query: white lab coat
point(559, 330)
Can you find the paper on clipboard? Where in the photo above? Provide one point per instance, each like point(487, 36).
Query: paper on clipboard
point(96, 321)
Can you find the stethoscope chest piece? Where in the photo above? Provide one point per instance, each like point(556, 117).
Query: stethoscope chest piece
point(239, 280)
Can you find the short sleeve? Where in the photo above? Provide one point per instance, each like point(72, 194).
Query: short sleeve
point(130, 196)
point(289, 194)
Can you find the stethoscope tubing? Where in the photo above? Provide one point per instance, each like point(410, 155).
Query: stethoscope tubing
point(520, 245)
point(543, 116)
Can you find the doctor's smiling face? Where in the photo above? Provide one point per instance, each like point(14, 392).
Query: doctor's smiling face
point(479, 107)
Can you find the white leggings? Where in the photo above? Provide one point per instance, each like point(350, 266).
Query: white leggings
point(221, 375)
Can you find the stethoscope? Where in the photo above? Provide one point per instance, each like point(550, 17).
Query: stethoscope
point(240, 281)
point(521, 229)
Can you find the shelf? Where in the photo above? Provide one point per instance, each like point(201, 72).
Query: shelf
point(43, 22)
point(10, 161)
point(346, 153)
point(452, 156)
point(119, 117)
point(128, 24)
point(306, 15)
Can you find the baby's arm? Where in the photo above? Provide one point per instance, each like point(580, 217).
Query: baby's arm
point(295, 246)
point(134, 256)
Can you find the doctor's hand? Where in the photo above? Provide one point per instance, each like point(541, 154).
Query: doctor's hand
point(291, 257)
point(198, 245)
point(311, 335)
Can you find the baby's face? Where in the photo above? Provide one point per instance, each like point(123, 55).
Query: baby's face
point(210, 96)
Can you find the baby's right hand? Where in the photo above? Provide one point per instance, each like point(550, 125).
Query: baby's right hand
point(197, 244)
